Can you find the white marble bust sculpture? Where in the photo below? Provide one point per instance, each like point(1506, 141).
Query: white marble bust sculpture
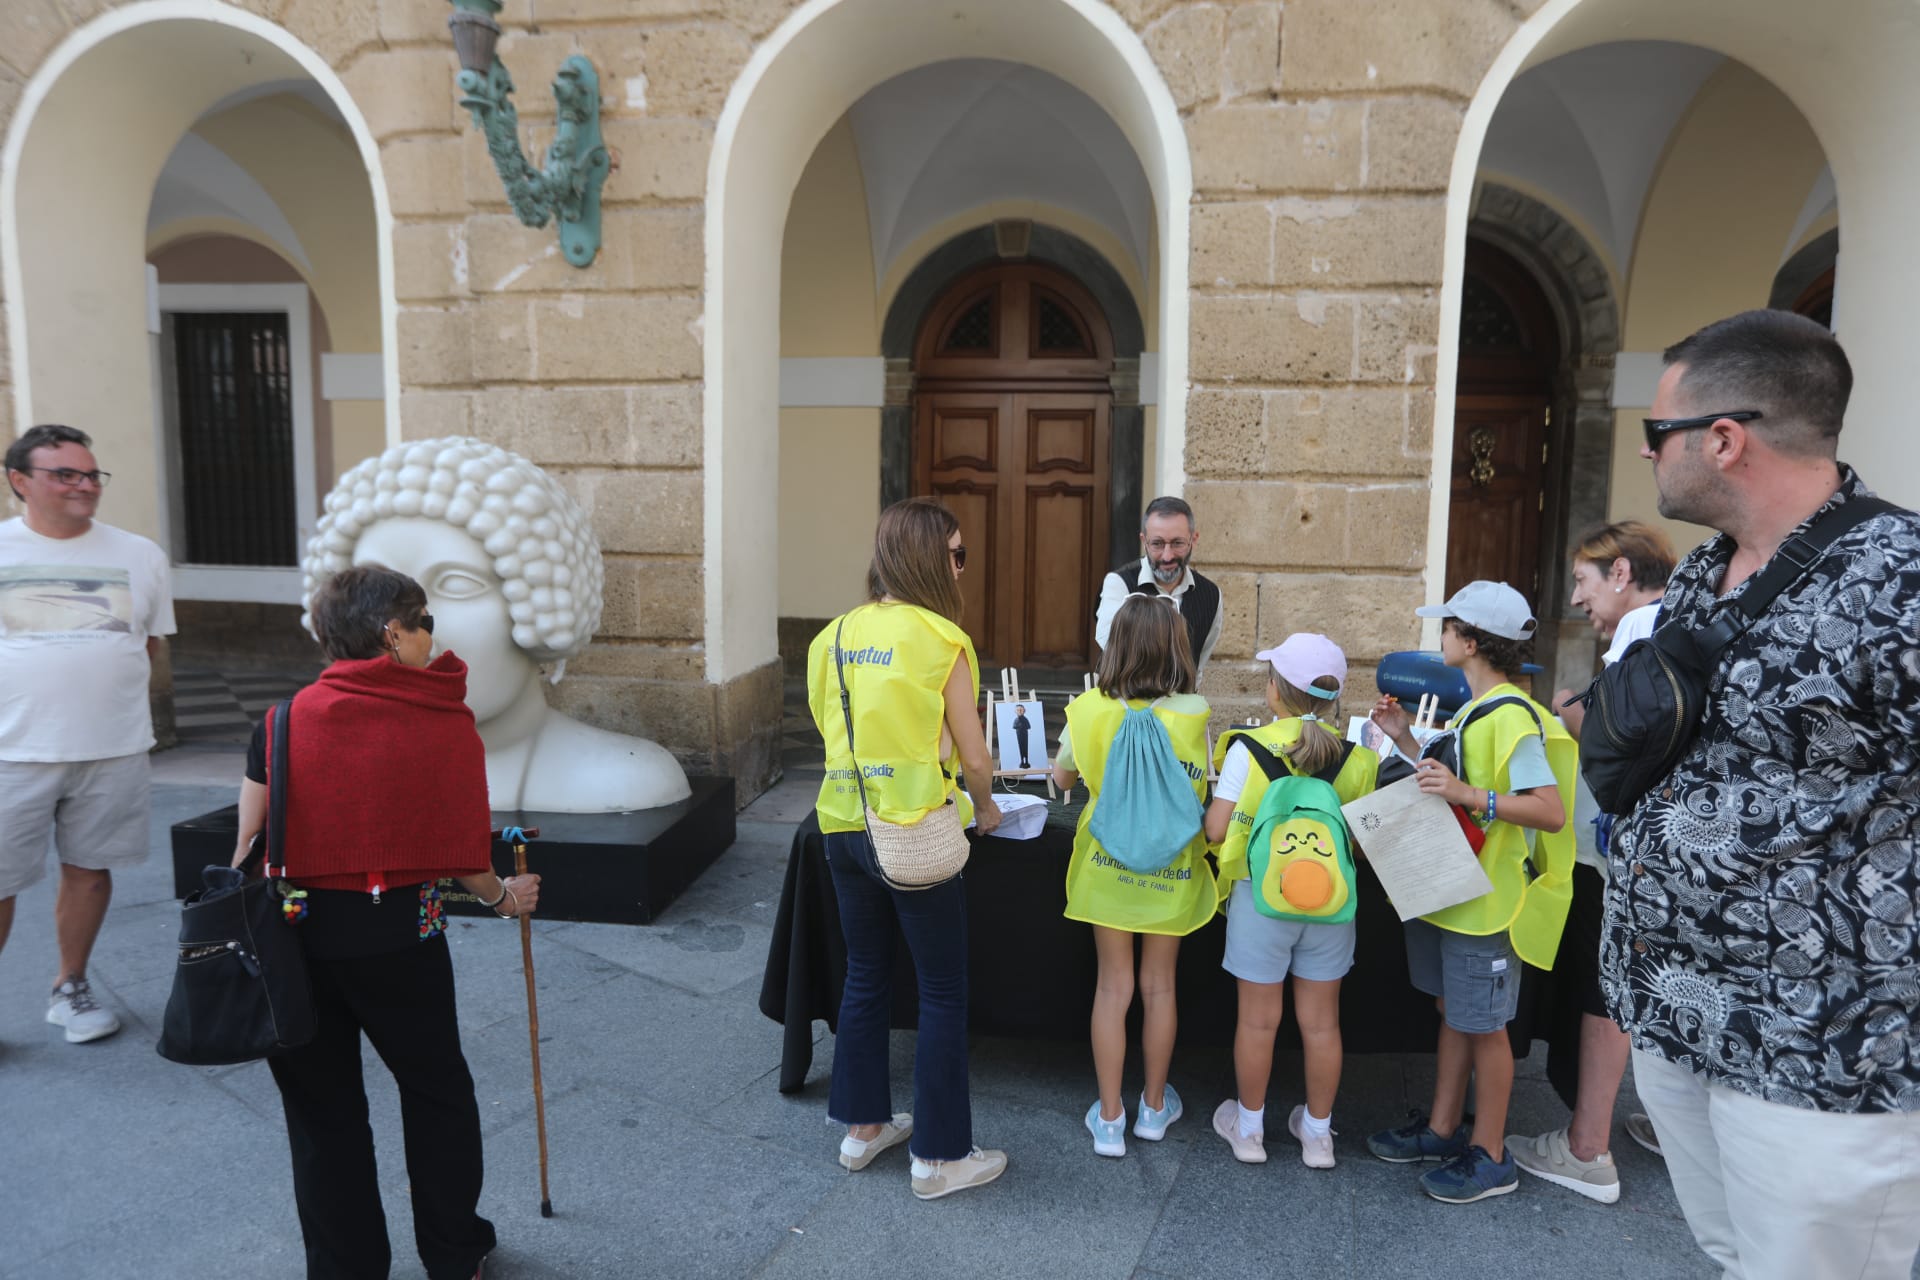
point(513, 579)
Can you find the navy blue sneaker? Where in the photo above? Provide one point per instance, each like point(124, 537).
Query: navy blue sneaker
point(1415, 1142)
point(1472, 1175)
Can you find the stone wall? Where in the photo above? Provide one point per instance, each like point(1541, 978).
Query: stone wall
point(1322, 138)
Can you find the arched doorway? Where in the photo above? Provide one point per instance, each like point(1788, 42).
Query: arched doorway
point(1012, 413)
point(1509, 348)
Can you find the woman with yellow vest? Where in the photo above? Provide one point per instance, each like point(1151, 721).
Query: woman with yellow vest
point(1517, 765)
point(1304, 676)
point(1147, 663)
point(913, 687)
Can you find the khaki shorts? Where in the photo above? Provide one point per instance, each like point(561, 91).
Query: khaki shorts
point(96, 812)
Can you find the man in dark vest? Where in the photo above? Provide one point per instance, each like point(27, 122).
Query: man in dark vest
point(1167, 540)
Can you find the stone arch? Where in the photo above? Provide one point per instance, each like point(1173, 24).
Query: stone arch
point(925, 285)
point(799, 81)
point(120, 91)
point(1580, 437)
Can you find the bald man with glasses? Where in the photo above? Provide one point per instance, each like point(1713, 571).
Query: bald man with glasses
point(82, 608)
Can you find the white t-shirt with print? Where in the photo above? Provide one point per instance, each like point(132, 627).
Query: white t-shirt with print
point(75, 614)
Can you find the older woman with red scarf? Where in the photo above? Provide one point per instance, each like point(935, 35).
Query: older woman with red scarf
point(386, 798)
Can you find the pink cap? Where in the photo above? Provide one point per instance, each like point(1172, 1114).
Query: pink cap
point(1304, 657)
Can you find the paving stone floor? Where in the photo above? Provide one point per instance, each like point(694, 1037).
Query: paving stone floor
point(674, 1156)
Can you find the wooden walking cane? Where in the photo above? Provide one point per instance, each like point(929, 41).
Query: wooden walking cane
point(518, 837)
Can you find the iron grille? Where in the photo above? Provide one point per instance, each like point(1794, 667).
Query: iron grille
point(236, 437)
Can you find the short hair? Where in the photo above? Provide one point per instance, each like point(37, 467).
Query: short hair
point(351, 609)
point(1790, 368)
point(1167, 507)
point(1508, 657)
point(1647, 551)
point(20, 452)
point(540, 540)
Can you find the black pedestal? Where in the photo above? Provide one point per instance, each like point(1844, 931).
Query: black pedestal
point(613, 868)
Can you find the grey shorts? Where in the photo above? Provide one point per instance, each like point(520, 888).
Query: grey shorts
point(1262, 949)
point(1478, 977)
point(96, 813)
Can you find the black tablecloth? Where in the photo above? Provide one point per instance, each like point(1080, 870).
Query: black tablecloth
point(1032, 970)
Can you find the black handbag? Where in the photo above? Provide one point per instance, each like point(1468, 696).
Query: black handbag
point(240, 989)
point(1644, 710)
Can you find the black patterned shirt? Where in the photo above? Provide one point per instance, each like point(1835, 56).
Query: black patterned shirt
point(1760, 923)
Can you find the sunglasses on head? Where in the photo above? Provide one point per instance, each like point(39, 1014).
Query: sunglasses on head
point(1659, 429)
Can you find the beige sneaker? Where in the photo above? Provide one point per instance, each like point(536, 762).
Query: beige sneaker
point(856, 1154)
point(1640, 1129)
point(1226, 1123)
point(1549, 1156)
point(935, 1178)
point(1315, 1152)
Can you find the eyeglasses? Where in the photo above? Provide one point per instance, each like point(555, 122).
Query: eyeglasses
point(1179, 546)
point(959, 555)
point(1659, 428)
point(71, 476)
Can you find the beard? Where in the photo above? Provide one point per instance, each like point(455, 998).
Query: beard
point(1168, 575)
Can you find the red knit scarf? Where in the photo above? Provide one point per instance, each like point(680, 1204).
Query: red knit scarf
point(388, 780)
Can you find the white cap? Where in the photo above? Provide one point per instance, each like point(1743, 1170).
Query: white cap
point(1492, 607)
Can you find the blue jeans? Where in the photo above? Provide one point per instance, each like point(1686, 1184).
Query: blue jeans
point(935, 924)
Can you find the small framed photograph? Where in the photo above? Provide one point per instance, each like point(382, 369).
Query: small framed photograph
point(1020, 734)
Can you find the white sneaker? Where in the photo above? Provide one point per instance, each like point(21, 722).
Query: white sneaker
point(1151, 1124)
point(856, 1153)
point(1226, 1123)
point(72, 1006)
point(1316, 1150)
point(935, 1178)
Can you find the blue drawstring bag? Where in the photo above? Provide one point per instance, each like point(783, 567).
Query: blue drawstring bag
point(1147, 812)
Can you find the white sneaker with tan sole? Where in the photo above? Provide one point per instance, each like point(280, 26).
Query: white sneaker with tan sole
point(856, 1153)
point(935, 1178)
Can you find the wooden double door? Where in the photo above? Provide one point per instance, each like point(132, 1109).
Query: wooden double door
point(1013, 433)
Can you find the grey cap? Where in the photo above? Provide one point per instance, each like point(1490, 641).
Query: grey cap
point(1492, 607)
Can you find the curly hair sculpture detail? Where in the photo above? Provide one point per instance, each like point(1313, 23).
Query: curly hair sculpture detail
point(540, 540)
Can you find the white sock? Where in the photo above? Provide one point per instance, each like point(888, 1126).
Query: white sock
point(1318, 1126)
point(1252, 1122)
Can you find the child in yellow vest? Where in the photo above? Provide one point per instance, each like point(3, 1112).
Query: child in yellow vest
point(1304, 677)
point(1518, 764)
point(1147, 662)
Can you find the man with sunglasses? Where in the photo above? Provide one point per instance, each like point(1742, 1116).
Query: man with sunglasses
point(1167, 541)
point(82, 608)
point(1761, 945)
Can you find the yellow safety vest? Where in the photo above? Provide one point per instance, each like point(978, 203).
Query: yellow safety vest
point(1357, 777)
point(1532, 911)
point(898, 658)
point(1181, 896)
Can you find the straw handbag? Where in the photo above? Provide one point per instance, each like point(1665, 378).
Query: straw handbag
point(923, 855)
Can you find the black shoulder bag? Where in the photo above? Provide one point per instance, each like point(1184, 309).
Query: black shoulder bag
point(240, 988)
point(1644, 710)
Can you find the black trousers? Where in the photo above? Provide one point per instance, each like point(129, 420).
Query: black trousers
point(403, 1001)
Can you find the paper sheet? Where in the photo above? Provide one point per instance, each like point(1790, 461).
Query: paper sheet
point(1417, 849)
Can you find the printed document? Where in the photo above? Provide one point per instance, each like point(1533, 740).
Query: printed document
point(1417, 849)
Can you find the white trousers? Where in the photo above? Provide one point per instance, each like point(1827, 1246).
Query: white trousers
point(1776, 1191)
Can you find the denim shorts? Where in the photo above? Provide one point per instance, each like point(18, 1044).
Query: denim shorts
point(1478, 977)
point(1262, 949)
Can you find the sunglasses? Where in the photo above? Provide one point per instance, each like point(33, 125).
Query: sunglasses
point(1659, 429)
point(425, 624)
point(959, 555)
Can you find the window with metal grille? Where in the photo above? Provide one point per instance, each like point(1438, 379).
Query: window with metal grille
point(235, 424)
point(973, 331)
point(1058, 330)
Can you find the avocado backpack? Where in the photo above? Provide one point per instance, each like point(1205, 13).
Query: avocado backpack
point(1147, 812)
point(1299, 858)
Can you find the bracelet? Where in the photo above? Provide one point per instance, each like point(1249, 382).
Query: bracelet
point(502, 897)
point(516, 905)
point(1491, 806)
